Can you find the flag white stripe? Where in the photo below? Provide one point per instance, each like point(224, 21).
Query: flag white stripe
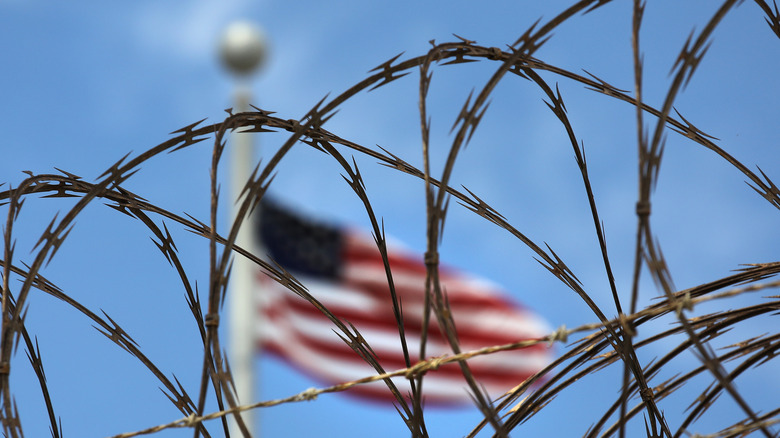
point(341, 299)
point(386, 343)
point(436, 384)
point(373, 272)
point(510, 322)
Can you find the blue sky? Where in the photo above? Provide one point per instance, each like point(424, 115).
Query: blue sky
point(84, 84)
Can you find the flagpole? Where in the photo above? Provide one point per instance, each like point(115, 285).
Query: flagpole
point(242, 51)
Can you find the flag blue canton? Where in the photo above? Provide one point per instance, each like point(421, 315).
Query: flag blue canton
point(299, 245)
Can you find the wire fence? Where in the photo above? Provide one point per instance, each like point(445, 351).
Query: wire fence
point(608, 342)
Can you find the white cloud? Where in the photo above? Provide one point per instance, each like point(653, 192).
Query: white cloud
point(190, 30)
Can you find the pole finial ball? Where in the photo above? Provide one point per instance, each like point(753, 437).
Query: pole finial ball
point(243, 48)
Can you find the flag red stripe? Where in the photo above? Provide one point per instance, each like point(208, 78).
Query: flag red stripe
point(336, 350)
point(331, 344)
point(312, 338)
point(485, 374)
point(437, 392)
point(471, 336)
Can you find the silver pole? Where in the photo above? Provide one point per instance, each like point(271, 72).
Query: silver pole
point(242, 51)
point(242, 311)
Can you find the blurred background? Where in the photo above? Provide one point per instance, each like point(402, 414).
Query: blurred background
point(84, 84)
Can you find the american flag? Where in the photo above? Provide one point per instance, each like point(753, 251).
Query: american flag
point(343, 269)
